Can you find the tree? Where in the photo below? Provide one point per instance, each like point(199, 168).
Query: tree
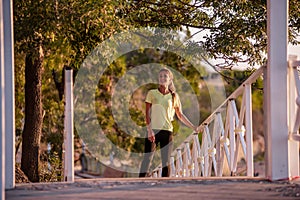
point(34, 58)
point(234, 30)
point(47, 29)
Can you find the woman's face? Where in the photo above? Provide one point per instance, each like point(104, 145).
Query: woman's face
point(164, 78)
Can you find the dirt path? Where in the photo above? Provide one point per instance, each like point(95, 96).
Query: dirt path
point(167, 189)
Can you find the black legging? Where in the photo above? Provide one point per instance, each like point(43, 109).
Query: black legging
point(165, 140)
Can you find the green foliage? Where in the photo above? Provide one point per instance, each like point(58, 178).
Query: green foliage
point(19, 91)
point(50, 168)
point(66, 31)
point(236, 78)
point(235, 29)
point(239, 30)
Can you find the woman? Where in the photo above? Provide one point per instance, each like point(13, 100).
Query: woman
point(161, 106)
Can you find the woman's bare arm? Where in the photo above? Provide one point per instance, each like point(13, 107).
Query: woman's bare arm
point(151, 136)
point(184, 119)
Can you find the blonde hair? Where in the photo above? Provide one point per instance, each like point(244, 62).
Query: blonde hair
point(171, 86)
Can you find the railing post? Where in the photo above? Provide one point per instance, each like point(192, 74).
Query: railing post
point(249, 131)
point(219, 144)
point(172, 166)
point(69, 128)
point(276, 90)
point(205, 152)
point(179, 163)
point(159, 172)
point(231, 136)
point(2, 108)
point(154, 175)
point(9, 96)
point(294, 115)
point(190, 164)
point(237, 131)
point(196, 155)
point(185, 163)
point(211, 152)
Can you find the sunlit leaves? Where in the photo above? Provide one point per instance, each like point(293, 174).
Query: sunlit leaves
point(236, 29)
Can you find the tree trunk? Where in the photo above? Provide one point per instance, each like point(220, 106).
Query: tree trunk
point(33, 114)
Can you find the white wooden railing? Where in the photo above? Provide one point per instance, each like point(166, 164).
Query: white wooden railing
point(226, 133)
point(294, 85)
point(294, 115)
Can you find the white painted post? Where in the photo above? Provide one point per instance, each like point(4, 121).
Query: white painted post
point(172, 166)
point(196, 154)
point(205, 151)
point(154, 175)
point(293, 109)
point(69, 128)
point(2, 110)
point(224, 142)
point(179, 163)
point(185, 163)
point(189, 163)
point(159, 172)
point(276, 101)
point(9, 96)
point(218, 144)
point(200, 160)
point(249, 131)
point(231, 136)
point(211, 152)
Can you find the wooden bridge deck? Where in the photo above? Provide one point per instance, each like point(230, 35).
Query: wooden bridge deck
point(164, 188)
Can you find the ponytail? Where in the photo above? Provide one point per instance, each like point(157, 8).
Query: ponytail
point(172, 90)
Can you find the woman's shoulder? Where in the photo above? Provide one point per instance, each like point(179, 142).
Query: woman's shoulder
point(152, 90)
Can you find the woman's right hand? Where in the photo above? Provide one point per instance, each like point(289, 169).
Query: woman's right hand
point(151, 136)
point(199, 129)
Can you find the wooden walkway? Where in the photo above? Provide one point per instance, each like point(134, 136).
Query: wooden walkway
point(166, 188)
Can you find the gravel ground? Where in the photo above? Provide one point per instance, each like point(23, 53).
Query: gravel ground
point(148, 188)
